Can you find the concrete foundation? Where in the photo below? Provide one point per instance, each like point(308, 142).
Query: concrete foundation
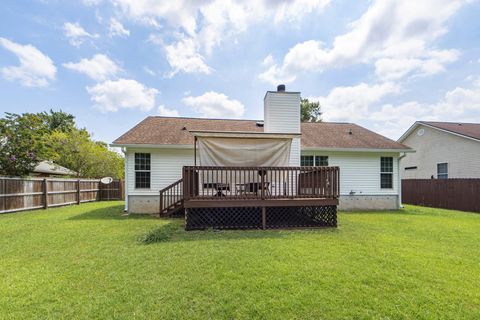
point(151, 204)
point(366, 203)
point(143, 204)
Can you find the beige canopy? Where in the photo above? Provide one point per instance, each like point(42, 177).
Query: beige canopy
point(243, 149)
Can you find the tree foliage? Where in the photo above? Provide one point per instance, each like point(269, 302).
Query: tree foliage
point(32, 137)
point(310, 111)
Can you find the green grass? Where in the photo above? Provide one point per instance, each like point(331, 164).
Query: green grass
point(90, 261)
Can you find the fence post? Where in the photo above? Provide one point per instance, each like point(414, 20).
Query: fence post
point(78, 191)
point(45, 194)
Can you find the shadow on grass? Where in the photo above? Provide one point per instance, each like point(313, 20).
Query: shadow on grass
point(174, 231)
point(109, 213)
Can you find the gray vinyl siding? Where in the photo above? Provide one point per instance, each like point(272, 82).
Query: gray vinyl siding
point(435, 146)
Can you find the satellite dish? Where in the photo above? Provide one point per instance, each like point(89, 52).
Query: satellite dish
point(106, 180)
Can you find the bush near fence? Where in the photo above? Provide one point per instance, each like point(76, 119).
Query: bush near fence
point(456, 194)
point(18, 194)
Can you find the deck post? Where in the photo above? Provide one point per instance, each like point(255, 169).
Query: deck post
point(264, 218)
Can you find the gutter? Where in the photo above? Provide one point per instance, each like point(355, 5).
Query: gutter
point(399, 180)
point(124, 150)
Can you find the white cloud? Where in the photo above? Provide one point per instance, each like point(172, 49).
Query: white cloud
point(202, 25)
point(402, 32)
point(117, 29)
point(99, 68)
point(35, 69)
point(215, 105)
point(122, 94)
point(76, 34)
point(460, 104)
point(183, 57)
point(163, 111)
point(149, 71)
point(353, 103)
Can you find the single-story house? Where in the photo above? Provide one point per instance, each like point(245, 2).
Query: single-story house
point(443, 150)
point(158, 149)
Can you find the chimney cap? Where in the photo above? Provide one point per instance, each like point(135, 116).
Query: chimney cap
point(281, 88)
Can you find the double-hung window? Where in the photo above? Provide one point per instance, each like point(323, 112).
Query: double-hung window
point(442, 170)
point(306, 161)
point(310, 161)
point(321, 161)
point(142, 170)
point(386, 172)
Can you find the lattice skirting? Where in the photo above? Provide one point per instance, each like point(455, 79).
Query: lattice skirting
point(251, 217)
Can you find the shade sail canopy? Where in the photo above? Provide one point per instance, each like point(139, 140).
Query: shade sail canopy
point(243, 149)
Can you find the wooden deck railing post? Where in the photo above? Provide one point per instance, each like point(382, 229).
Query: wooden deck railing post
point(45, 193)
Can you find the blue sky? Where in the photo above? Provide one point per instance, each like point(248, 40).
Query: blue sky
point(381, 64)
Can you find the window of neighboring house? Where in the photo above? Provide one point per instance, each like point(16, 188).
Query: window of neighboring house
point(310, 161)
point(442, 170)
point(306, 161)
point(321, 161)
point(386, 172)
point(142, 170)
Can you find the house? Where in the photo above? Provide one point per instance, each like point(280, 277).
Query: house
point(161, 150)
point(48, 168)
point(443, 150)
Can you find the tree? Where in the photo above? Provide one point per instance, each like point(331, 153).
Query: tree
point(31, 137)
point(20, 143)
point(310, 111)
point(76, 151)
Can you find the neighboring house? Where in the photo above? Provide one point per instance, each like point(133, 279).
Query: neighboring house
point(158, 148)
point(49, 169)
point(442, 150)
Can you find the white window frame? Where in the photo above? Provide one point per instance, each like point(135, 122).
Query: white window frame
point(386, 172)
point(142, 170)
point(442, 174)
point(314, 159)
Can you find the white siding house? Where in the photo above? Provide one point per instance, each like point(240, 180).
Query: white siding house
point(369, 177)
point(443, 150)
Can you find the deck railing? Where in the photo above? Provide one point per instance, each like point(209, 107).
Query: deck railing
point(227, 183)
point(171, 196)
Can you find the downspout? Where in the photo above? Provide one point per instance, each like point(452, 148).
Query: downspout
point(402, 155)
point(124, 150)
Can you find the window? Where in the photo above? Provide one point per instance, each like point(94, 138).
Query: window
point(386, 172)
point(142, 170)
point(310, 161)
point(321, 161)
point(306, 161)
point(442, 170)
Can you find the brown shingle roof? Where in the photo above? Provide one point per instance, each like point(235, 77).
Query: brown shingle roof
point(175, 131)
point(164, 130)
point(471, 130)
point(344, 135)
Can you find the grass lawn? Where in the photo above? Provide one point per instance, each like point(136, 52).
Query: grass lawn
point(87, 262)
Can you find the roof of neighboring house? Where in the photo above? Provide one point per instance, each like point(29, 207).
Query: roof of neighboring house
point(156, 130)
point(49, 167)
point(469, 130)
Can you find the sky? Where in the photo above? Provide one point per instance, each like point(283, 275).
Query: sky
point(111, 63)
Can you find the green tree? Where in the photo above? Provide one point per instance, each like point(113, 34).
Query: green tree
point(20, 143)
point(76, 151)
point(310, 111)
point(31, 137)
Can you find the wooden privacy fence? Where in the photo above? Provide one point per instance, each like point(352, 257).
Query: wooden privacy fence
point(18, 194)
point(456, 194)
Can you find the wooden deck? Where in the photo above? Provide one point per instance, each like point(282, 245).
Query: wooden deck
point(253, 197)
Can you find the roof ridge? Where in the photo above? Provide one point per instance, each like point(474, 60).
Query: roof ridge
point(197, 118)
